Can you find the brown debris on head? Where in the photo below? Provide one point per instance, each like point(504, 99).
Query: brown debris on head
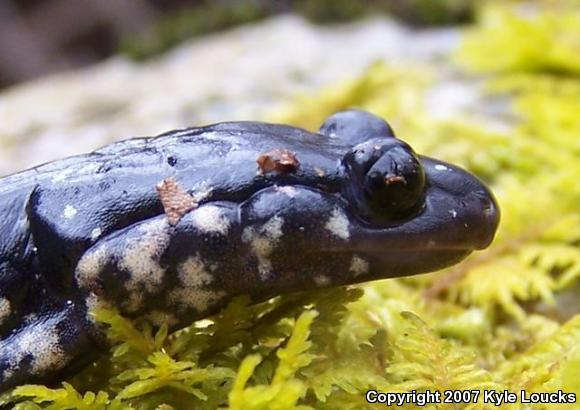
point(278, 160)
point(395, 179)
point(175, 200)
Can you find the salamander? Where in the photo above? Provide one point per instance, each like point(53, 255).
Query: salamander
point(170, 228)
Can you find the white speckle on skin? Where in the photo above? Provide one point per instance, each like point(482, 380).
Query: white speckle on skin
point(63, 175)
point(358, 266)
point(31, 318)
point(210, 218)
point(453, 213)
point(431, 244)
point(319, 172)
point(273, 228)
point(338, 224)
point(45, 350)
point(192, 272)
point(93, 302)
point(159, 318)
point(289, 191)
point(152, 226)
point(440, 167)
point(193, 276)
point(321, 280)
point(74, 172)
point(201, 191)
point(69, 212)
point(5, 309)
point(263, 241)
point(199, 299)
point(8, 373)
point(38, 342)
point(96, 233)
point(90, 266)
point(141, 257)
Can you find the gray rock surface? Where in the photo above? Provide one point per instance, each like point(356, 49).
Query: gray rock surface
point(244, 73)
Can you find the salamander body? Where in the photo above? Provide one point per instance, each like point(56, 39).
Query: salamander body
point(170, 228)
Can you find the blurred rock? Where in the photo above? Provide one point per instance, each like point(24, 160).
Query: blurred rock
point(244, 73)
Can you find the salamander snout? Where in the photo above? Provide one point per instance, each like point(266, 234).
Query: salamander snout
point(461, 203)
point(490, 216)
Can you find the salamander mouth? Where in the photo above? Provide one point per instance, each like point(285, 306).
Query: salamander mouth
point(411, 262)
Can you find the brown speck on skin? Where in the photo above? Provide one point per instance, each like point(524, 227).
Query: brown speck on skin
point(175, 200)
point(395, 179)
point(279, 160)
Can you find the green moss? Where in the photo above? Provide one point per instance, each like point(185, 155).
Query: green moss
point(496, 321)
point(511, 39)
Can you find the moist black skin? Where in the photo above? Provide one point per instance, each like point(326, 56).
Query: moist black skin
point(91, 229)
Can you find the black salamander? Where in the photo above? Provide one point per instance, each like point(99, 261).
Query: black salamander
point(171, 228)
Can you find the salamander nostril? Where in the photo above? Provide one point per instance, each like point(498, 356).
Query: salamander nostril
point(489, 207)
point(486, 205)
point(488, 210)
point(489, 218)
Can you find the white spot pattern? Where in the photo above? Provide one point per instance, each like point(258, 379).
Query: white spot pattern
point(40, 342)
point(358, 266)
point(192, 272)
point(90, 266)
point(210, 218)
point(96, 233)
point(201, 191)
point(63, 175)
point(93, 302)
point(69, 212)
point(199, 299)
point(5, 309)
point(263, 241)
point(290, 191)
point(141, 259)
point(338, 224)
point(193, 276)
point(159, 318)
point(322, 280)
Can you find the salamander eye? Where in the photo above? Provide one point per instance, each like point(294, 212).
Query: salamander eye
point(354, 127)
point(395, 183)
point(386, 179)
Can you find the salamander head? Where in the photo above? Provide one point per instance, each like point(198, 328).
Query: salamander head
point(408, 213)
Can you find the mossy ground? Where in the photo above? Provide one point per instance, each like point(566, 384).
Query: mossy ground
point(506, 318)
